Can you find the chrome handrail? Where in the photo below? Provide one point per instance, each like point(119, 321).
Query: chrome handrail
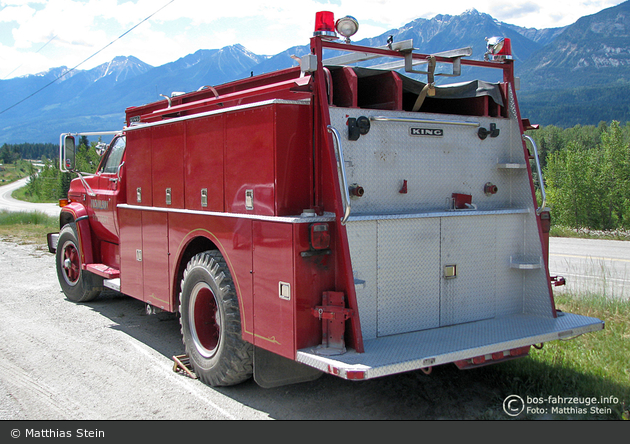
point(540, 176)
point(341, 172)
point(427, 121)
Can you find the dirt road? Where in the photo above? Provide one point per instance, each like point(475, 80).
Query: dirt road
point(108, 360)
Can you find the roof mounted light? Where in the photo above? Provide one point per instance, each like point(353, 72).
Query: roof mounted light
point(499, 49)
point(325, 24)
point(347, 26)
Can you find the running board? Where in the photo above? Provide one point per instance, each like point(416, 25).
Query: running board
point(424, 349)
point(103, 270)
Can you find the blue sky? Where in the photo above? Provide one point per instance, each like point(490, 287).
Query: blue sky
point(36, 35)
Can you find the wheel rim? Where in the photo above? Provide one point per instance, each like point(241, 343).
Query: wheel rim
point(70, 263)
point(205, 321)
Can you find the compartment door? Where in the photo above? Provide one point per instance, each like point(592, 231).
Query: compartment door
point(408, 275)
point(274, 287)
point(468, 244)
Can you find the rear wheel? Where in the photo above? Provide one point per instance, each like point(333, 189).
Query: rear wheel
point(77, 284)
point(211, 322)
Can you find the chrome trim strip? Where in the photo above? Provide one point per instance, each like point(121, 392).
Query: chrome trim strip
point(327, 217)
point(450, 213)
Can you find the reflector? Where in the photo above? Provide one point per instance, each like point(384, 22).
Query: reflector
point(325, 24)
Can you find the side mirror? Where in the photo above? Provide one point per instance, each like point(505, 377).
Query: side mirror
point(69, 153)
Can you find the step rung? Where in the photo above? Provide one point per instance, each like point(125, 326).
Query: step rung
point(103, 270)
point(113, 284)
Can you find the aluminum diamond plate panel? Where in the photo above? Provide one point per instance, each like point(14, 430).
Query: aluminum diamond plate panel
point(399, 265)
point(417, 263)
point(412, 351)
point(408, 275)
point(434, 167)
point(362, 240)
point(470, 244)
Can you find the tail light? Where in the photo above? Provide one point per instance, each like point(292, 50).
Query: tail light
point(320, 236)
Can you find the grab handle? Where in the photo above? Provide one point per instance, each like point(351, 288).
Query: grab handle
point(540, 176)
point(341, 172)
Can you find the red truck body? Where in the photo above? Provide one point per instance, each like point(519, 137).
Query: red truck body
point(247, 184)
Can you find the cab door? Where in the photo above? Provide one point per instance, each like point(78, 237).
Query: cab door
point(109, 192)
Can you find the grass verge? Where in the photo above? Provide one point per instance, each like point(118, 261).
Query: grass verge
point(594, 366)
point(27, 227)
point(11, 172)
point(22, 194)
point(557, 231)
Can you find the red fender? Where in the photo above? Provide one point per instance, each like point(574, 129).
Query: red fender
point(84, 233)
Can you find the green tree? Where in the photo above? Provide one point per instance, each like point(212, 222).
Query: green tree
point(567, 186)
point(615, 178)
point(8, 154)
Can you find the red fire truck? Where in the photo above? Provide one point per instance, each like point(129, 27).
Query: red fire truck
point(335, 217)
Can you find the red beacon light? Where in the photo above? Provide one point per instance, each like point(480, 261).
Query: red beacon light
point(499, 49)
point(325, 24)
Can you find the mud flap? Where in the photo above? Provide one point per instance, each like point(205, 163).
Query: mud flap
point(272, 370)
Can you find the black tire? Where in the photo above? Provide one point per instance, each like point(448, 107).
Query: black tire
point(211, 322)
point(77, 284)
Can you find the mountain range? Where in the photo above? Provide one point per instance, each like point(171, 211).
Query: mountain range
point(578, 74)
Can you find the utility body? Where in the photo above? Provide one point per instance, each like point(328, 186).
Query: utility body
point(325, 218)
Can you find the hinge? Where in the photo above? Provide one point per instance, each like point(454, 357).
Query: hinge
point(333, 315)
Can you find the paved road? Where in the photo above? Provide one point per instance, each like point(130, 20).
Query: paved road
point(591, 265)
point(9, 203)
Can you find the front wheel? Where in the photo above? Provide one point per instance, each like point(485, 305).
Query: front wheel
point(77, 284)
point(211, 322)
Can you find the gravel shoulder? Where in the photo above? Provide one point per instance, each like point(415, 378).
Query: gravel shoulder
point(108, 360)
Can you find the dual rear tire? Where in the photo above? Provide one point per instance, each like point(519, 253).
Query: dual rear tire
point(211, 323)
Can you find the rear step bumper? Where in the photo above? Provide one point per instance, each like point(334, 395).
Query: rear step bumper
point(423, 349)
